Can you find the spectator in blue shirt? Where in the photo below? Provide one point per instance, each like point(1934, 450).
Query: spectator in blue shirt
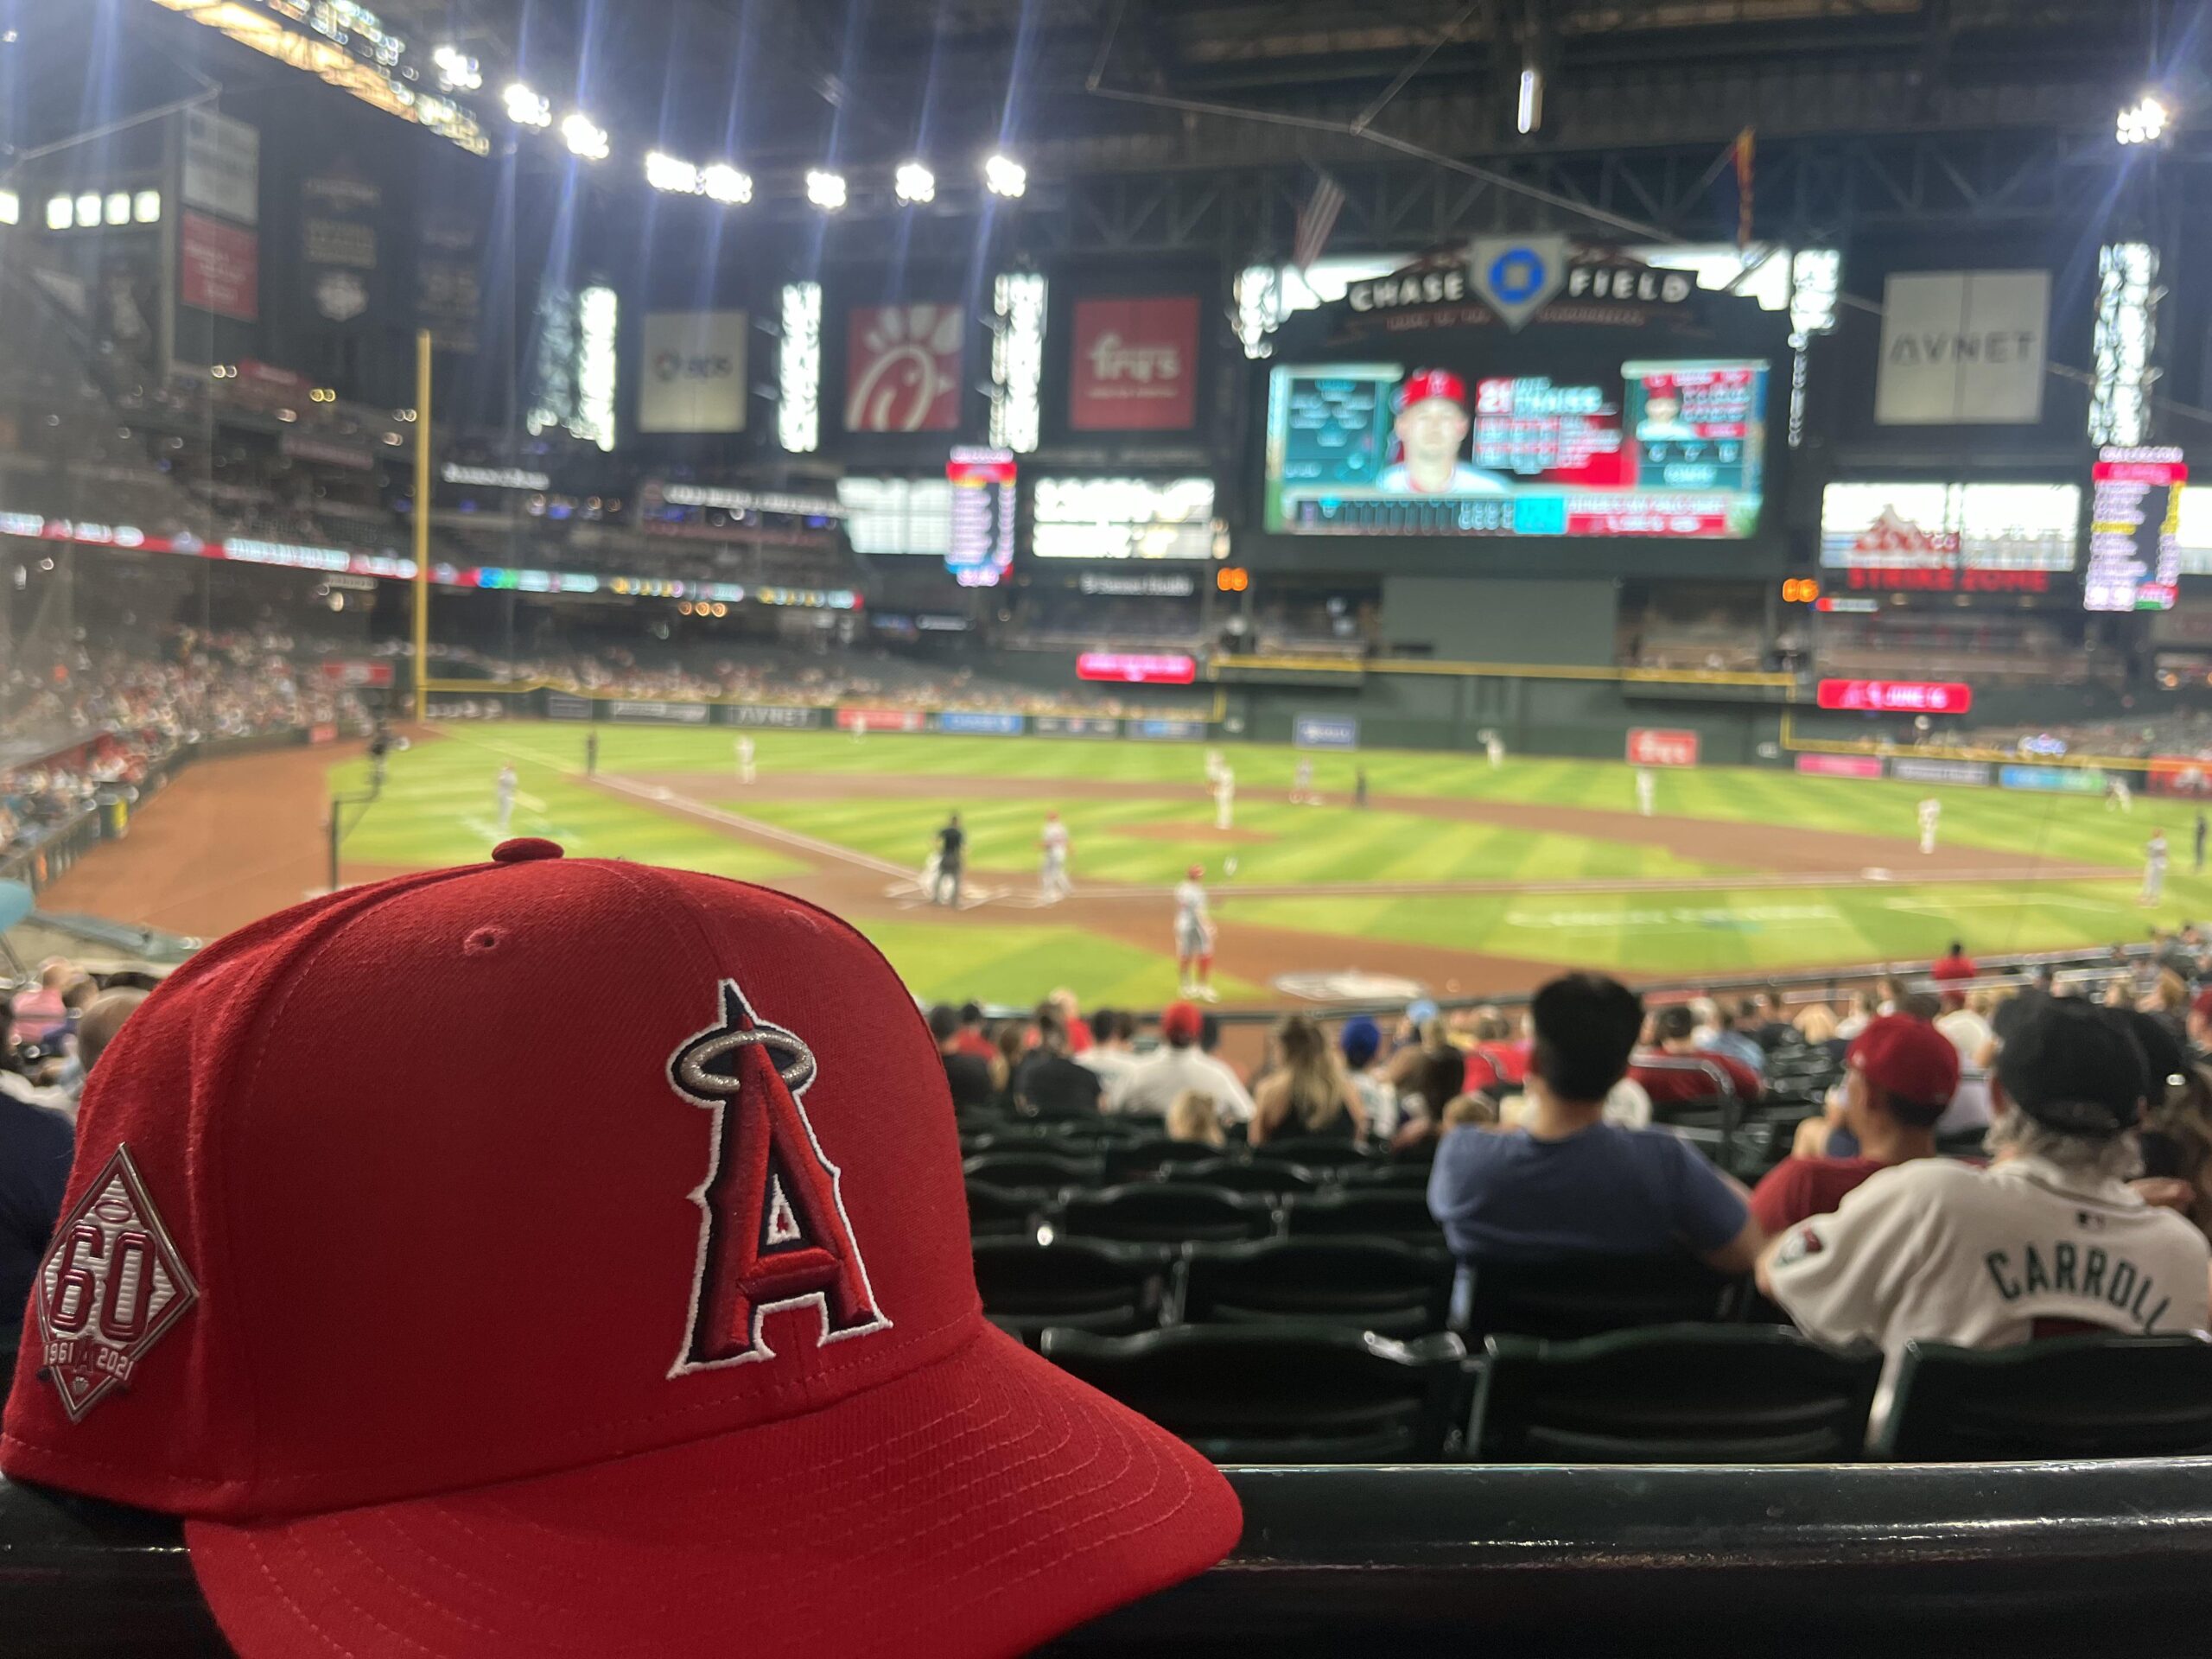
point(35, 1147)
point(1737, 1035)
point(1565, 1183)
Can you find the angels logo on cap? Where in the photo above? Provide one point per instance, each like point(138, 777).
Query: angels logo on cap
point(773, 1232)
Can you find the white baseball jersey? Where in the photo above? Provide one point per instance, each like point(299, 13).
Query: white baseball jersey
point(506, 786)
point(1055, 840)
point(1929, 811)
point(1190, 910)
point(2154, 852)
point(1942, 1251)
point(1305, 773)
point(1224, 783)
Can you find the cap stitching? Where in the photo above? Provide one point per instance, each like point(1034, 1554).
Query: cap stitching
point(306, 1559)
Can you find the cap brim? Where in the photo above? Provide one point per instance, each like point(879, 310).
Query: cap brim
point(978, 1506)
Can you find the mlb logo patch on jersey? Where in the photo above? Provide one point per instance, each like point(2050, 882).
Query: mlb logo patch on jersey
point(110, 1286)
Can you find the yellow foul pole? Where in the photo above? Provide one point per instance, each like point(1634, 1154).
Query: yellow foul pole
point(421, 523)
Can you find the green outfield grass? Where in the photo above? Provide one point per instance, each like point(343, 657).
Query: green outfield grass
point(439, 808)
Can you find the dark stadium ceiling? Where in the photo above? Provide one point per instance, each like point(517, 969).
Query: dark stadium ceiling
point(875, 80)
point(1097, 86)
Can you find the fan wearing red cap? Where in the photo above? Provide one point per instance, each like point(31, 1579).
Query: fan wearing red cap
point(1898, 1076)
point(1661, 421)
point(451, 1326)
point(1432, 428)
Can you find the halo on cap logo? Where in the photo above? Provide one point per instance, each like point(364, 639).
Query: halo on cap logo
point(111, 1286)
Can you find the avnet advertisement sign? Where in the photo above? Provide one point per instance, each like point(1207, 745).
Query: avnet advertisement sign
point(1325, 732)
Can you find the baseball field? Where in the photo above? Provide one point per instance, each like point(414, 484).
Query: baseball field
point(1456, 875)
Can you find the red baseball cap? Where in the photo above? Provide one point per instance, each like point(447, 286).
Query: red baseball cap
point(567, 1255)
point(1431, 383)
point(1181, 1022)
point(1907, 1057)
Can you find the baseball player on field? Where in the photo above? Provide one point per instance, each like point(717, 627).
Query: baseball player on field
point(1224, 799)
point(505, 790)
point(2048, 1239)
point(1647, 790)
point(2154, 868)
point(1052, 870)
point(1931, 815)
point(1302, 792)
point(1194, 937)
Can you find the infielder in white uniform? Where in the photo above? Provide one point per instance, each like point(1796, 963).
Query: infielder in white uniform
point(1224, 799)
point(2118, 795)
point(1052, 871)
point(1647, 790)
point(1932, 814)
point(744, 760)
point(2048, 1239)
point(1302, 785)
point(1194, 937)
point(2154, 868)
point(1214, 765)
point(506, 789)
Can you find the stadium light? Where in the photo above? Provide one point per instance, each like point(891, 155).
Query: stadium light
point(2143, 122)
point(526, 108)
point(1529, 110)
point(88, 210)
point(673, 173)
point(1004, 176)
point(720, 182)
point(457, 70)
point(582, 136)
point(825, 189)
point(11, 208)
point(914, 183)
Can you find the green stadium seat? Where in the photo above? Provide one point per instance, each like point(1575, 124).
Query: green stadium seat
point(1249, 1175)
point(1037, 1171)
point(1163, 1213)
point(1381, 1285)
point(997, 1213)
point(2070, 1398)
point(1095, 1285)
point(1137, 1160)
point(1379, 1211)
point(1588, 1295)
point(1314, 1152)
point(1687, 1394)
point(1278, 1393)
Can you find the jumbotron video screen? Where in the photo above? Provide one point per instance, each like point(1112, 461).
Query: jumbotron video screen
point(1671, 449)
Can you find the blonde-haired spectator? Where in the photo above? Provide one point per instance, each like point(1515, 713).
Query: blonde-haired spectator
point(1195, 1116)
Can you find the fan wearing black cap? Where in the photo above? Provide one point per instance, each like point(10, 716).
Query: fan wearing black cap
point(2048, 1239)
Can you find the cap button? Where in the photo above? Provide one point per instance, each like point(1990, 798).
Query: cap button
point(523, 848)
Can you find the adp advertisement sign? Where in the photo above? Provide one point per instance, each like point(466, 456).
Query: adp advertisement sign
point(1896, 697)
point(1134, 366)
point(1325, 732)
point(1649, 746)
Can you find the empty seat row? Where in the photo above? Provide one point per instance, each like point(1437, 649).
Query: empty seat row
point(1375, 1284)
point(1667, 1394)
point(1111, 1288)
point(1050, 1170)
point(1180, 1212)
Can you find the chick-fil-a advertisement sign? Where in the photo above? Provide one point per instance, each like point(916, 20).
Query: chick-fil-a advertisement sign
point(1897, 697)
point(902, 368)
point(1133, 668)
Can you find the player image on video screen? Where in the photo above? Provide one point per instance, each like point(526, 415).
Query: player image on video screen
point(1431, 428)
point(1663, 413)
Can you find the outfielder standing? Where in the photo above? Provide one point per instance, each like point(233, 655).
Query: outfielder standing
point(2154, 868)
point(1932, 814)
point(1194, 937)
point(506, 789)
point(1224, 798)
point(1496, 747)
point(744, 760)
point(1647, 790)
point(1052, 871)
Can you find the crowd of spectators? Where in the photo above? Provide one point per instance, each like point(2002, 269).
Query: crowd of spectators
point(1989, 1163)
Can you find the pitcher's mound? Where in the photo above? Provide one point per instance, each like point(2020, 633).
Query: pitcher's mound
point(1204, 831)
